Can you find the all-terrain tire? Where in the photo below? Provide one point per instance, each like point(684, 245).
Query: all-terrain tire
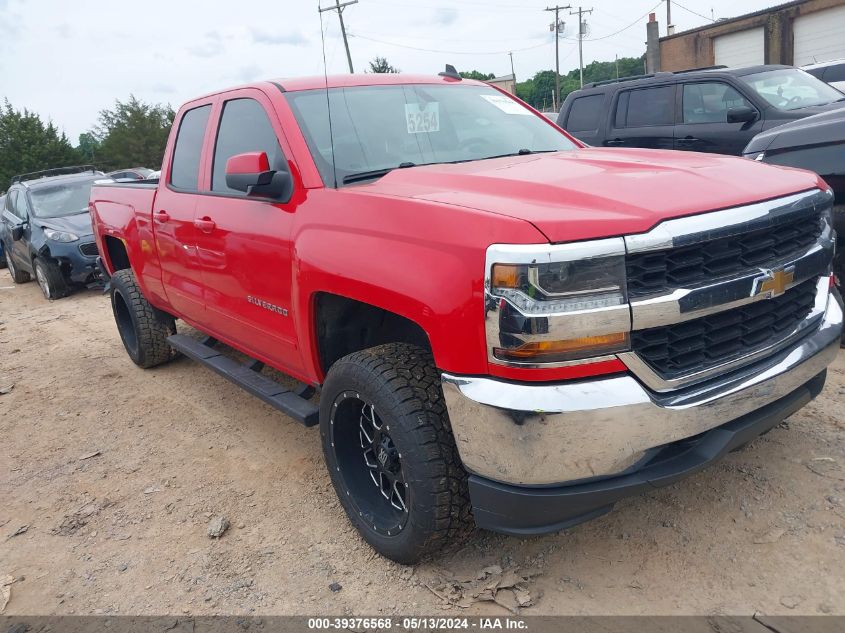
point(402, 384)
point(50, 279)
point(142, 328)
point(18, 276)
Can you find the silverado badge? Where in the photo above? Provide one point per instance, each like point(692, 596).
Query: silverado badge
point(773, 283)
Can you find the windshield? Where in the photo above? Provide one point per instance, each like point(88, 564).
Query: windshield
point(790, 89)
point(378, 128)
point(60, 199)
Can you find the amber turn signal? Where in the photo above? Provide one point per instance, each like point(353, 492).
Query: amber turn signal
point(505, 276)
point(549, 351)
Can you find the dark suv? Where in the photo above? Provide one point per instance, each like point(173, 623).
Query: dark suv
point(705, 110)
point(45, 228)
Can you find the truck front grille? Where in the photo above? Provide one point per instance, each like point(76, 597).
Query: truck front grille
point(699, 344)
point(89, 249)
point(687, 266)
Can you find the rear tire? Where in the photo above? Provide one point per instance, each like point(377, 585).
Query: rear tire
point(18, 276)
point(50, 279)
point(390, 452)
point(142, 328)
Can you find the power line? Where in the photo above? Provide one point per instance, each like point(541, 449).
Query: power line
point(339, 8)
point(451, 39)
point(693, 12)
point(434, 50)
point(634, 23)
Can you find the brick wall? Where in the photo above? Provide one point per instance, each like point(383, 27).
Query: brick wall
point(694, 49)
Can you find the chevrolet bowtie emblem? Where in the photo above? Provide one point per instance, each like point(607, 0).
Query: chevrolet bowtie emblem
point(773, 283)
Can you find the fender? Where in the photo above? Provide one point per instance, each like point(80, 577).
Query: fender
point(421, 260)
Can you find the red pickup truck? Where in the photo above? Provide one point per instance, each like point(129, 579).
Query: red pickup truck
point(489, 321)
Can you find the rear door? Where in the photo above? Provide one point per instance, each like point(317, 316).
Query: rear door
point(703, 122)
point(244, 243)
point(643, 117)
point(21, 248)
point(173, 216)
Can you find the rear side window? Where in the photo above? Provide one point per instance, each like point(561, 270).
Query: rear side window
point(645, 107)
point(585, 113)
point(184, 170)
point(244, 127)
point(834, 73)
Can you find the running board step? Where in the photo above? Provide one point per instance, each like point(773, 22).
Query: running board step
point(245, 376)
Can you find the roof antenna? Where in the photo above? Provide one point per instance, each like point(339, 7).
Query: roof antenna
point(450, 73)
point(328, 102)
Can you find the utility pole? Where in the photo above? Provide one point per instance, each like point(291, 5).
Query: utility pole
point(556, 28)
point(513, 74)
point(668, 17)
point(581, 40)
point(339, 8)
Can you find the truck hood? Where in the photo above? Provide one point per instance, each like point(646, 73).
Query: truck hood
point(595, 192)
point(819, 129)
point(78, 224)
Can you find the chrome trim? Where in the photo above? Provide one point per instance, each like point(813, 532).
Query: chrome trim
point(656, 382)
point(556, 325)
point(683, 304)
point(712, 225)
point(536, 434)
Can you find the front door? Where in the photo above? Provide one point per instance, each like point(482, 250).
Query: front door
point(703, 125)
point(244, 243)
point(173, 219)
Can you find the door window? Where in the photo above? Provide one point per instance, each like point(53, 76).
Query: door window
point(646, 107)
point(244, 127)
point(184, 170)
point(584, 114)
point(709, 102)
point(10, 202)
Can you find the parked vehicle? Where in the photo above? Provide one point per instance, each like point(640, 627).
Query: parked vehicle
point(832, 72)
point(46, 229)
point(503, 325)
point(715, 110)
point(816, 143)
point(154, 175)
point(135, 173)
point(2, 250)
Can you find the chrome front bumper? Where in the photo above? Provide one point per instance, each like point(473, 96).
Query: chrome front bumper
point(540, 434)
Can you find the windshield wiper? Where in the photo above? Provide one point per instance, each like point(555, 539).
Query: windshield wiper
point(521, 152)
point(374, 173)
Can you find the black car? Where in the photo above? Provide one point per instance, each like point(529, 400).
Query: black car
point(45, 228)
point(705, 110)
point(816, 143)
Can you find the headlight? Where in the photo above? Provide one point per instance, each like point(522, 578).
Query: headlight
point(60, 236)
point(556, 303)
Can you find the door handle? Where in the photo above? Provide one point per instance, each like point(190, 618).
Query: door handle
point(162, 216)
point(614, 141)
point(206, 224)
point(687, 140)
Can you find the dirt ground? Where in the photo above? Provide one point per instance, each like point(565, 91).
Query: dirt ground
point(110, 476)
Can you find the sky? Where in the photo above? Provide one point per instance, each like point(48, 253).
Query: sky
point(67, 60)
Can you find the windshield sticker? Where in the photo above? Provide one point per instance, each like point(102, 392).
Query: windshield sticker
point(422, 117)
point(506, 104)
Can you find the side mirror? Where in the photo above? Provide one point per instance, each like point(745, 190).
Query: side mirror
point(741, 114)
point(251, 174)
point(17, 232)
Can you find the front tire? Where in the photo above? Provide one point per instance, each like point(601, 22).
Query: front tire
point(142, 328)
point(389, 449)
point(18, 276)
point(50, 279)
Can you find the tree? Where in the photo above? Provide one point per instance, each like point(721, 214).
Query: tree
point(89, 147)
point(474, 74)
point(131, 134)
point(28, 144)
point(380, 65)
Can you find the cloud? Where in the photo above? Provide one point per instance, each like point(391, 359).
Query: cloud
point(63, 31)
point(249, 73)
point(211, 45)
point(444, 16)
point(293, 38)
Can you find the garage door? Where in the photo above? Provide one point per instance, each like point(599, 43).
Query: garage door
point(744, 48)
point(819, 36)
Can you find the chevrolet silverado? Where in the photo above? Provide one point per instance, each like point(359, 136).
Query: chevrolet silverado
point(490, 322)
